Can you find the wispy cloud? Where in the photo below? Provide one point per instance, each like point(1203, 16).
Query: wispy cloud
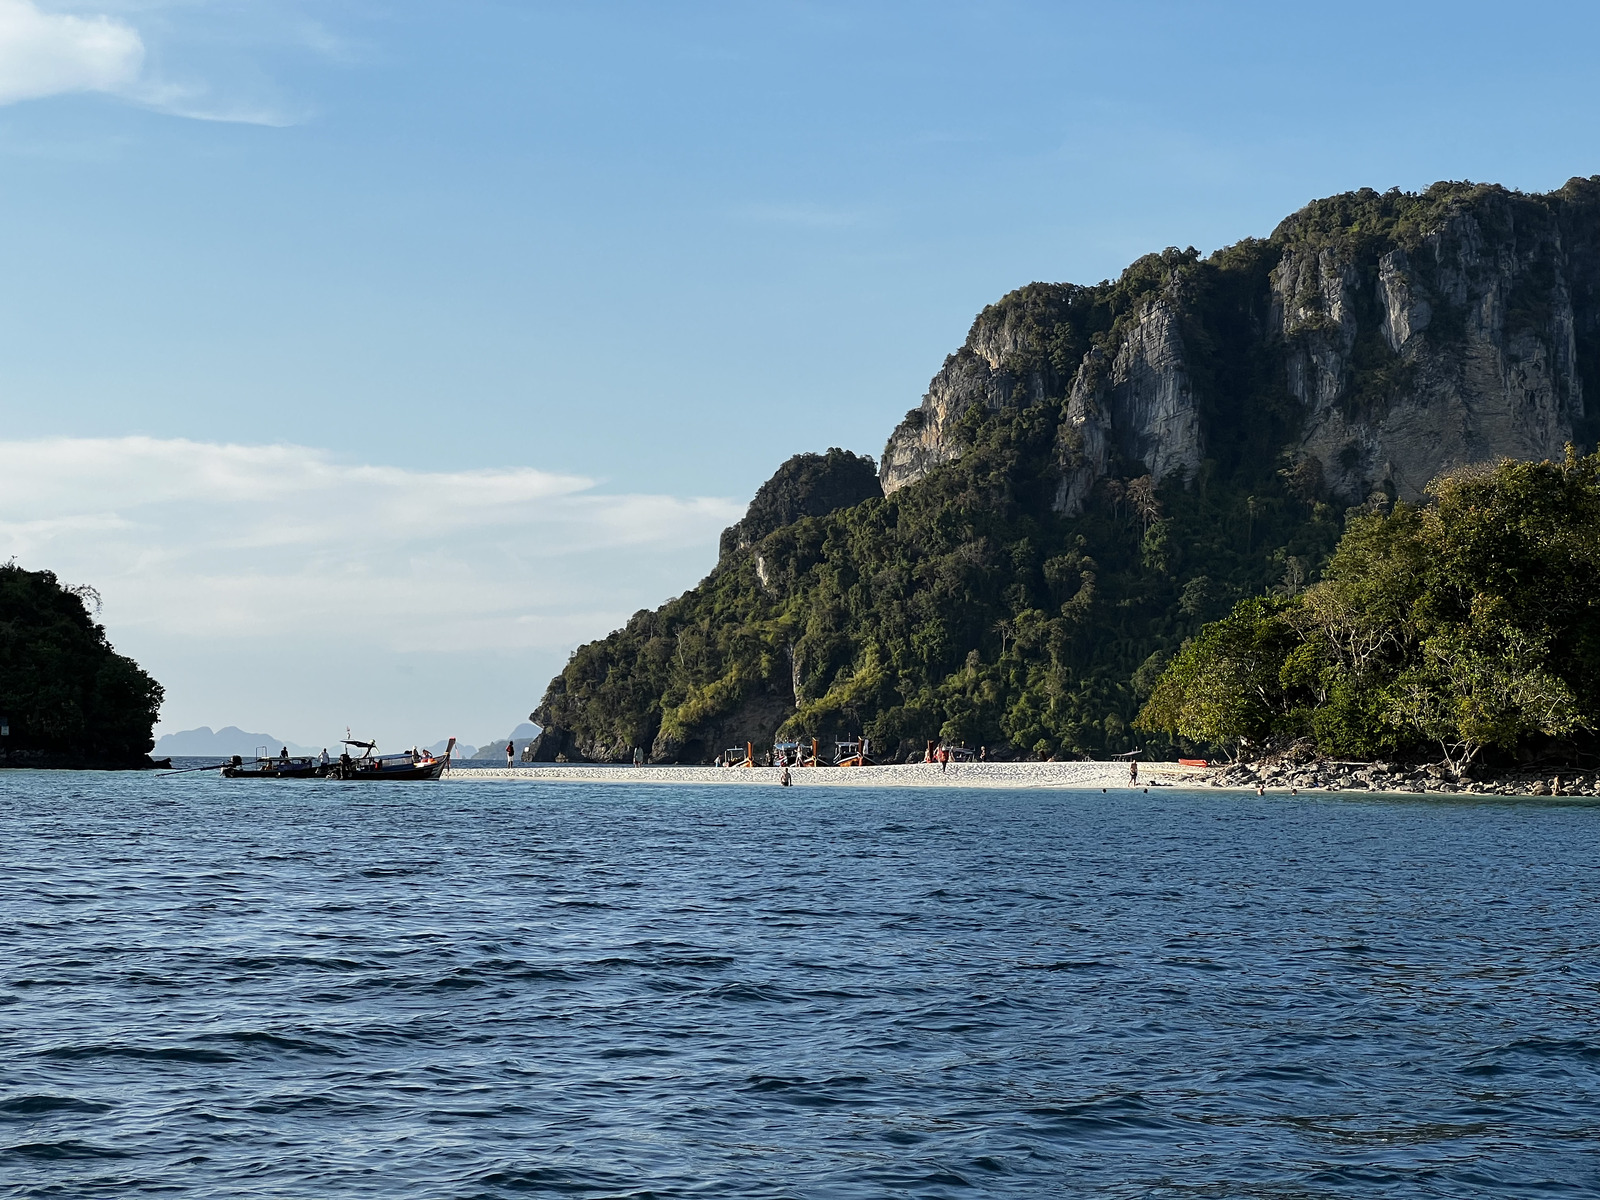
point(229, 541)
point(44, 53)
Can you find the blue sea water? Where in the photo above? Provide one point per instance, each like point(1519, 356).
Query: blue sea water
point(521, 989)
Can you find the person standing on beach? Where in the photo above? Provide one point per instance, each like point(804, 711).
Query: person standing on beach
point(511, 750)
point(638, 756)
point(944, 759)
point(1133, 772)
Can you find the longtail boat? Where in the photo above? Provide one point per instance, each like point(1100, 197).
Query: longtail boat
point(411, 765)
point(269, 767)
point(852, 753)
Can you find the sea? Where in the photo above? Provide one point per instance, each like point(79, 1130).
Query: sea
point(525, 988)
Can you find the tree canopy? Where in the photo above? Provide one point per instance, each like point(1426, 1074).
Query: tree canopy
point(968, 604)
point(1467, 624)
point(67, 696)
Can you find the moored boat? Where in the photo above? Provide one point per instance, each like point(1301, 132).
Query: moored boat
point(797, 754)
point(266, 767)
point(735, 756)
point(852, 753)
point(410, 765)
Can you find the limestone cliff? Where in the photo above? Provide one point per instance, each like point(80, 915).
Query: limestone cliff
point(1407, 334)
point(1459, 347)
point(1134, 407)
point(1100, 470)
point(1005, 361)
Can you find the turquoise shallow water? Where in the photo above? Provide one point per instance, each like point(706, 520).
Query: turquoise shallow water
point(522, 989)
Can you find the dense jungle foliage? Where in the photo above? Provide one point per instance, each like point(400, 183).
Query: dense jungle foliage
point(808, 485)
point(1467, 624)
point(964, 607)
point(67, 695)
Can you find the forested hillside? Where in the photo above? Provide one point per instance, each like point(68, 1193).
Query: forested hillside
point(68, 699)
point(1100, 471)
point(1466, 625)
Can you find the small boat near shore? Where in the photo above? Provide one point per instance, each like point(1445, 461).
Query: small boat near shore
point(852, 753)
point(281, 767)
point(409, 765)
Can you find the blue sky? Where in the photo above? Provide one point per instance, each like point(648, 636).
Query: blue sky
point(632, 254)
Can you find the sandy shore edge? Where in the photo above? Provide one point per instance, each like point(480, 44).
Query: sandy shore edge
point(962, 775)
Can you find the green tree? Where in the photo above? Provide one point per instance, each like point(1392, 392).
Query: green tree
point(1468, 623)
point(1224, 687)
point(65, 692)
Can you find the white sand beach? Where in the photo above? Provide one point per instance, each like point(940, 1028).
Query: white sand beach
point(965, 775)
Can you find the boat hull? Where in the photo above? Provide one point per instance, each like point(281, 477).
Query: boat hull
point(355, 772)
point(312, 772)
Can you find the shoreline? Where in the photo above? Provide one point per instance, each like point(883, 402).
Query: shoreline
point(1053, 776)
point(1057, 775)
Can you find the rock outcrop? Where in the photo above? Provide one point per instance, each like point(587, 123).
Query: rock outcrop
point(807, 485)
point(1137, 409)
point(1407, 361)
point(1407, 334)
point(1005, 361)
point(554, 744)
point(1099, 471)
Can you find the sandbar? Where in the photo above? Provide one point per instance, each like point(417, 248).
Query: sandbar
point(922, 775)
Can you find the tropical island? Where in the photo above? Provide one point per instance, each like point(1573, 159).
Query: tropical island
point(67, 698)
point(1325, 493)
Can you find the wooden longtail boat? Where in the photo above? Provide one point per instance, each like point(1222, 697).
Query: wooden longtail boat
point(408, 766)
point(730, 756)
point(852, 753)
point(797, 754)
point(281, 767)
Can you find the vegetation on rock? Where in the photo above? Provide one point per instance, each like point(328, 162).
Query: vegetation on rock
point(808, 485)
point(68, 697)
point(961, 607)
point(1467, 624)
point(976, 604)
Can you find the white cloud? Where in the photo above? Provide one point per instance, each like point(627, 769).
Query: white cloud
point(215, 554)
point(45, 54)
point(221, 540)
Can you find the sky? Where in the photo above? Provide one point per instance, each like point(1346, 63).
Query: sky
point(367, 357)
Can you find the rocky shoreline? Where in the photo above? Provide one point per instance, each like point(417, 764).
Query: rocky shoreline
point(1392, 777)
point(1270, 778)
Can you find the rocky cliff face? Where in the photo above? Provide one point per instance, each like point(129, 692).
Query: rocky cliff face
point(1405, 335)
point(1408, 361)
point(1136, 407)
point(1004, 362)
point(807, 485)
point(1011, 589)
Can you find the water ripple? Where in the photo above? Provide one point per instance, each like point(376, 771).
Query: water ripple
point(486, 991)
